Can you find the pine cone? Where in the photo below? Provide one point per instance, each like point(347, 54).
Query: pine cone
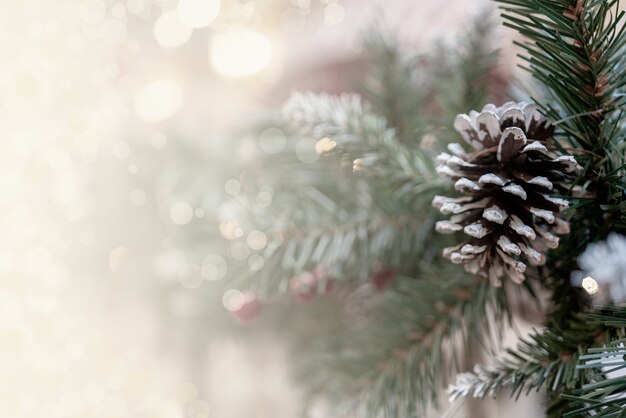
point(506, 212)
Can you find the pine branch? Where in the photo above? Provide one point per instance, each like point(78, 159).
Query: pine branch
point(468, 70)
point(346, 119)
point(575, 49)
point(549, 361)
point(422, 332)
point(347, 219)
point(604, 395)
point(396, 85)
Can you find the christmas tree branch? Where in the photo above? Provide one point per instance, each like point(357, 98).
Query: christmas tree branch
point(604, 393)
point(574, 48)
point(347, 219)
point(549, 361)
point(420, 333)
point(395, 85)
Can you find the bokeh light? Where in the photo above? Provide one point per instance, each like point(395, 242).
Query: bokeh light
point(170, 32)
point(198, 13)
point(240, 52)
point(233, 299)
point(158, 100)
point(590, 285)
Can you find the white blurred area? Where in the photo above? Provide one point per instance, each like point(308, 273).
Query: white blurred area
point(104, 277)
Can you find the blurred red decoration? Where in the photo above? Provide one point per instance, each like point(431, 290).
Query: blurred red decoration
point(305, 287)
point(249, 309)
point(383, 278)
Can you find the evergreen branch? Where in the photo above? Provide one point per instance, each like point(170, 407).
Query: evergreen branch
point(468, 70)
point(604, 395)
point(395, 85)
point(419, 334)
point(344, 222)
point(575, 49)
point(538, 362)
point(346, 119)
point(549, 361)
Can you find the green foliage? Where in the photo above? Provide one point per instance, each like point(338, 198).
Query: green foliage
point(420, 331)
point(330, 216)
point(603, 395)
point(352, 190)
point(545, 360)
point(575, 50)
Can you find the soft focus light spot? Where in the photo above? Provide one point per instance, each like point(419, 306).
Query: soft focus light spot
point(303, 4)
point(16, 339)
point(198, 13)
point(116, 257)
point(590, 285)
point(93, 11)
point(133, 46)
point(239, 251)
point(169, 31)
point(240, 52)
point(58, 159)
point(325, 145)
point(158, 140)
point(121, 150)
point(136, 7)
point(87, 238)
point(199, 213)
point(357, 165)
point(168, 264)
point(181, 213)
point(230, 229)
point(256, 262)
point(272, 140)
point(137, 197)
point(232, 187)
point(94, 393)
point(189, 277)
point(214, 267)
point(305, 151)
point(256, 240)
point(233, 300)
point(292, 20)
point(27, 84)
point(114, 32)
point(334, 14)
point(118, 10)
point(198, 409)
point(116, 406)
point(133, 169)
point(264, 199)
point(158, 100)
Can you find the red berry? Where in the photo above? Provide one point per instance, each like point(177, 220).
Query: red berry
point(249, 309)
point(304, 287)
point(383, 278)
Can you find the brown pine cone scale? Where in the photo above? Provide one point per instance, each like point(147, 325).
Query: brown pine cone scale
point(506, 210)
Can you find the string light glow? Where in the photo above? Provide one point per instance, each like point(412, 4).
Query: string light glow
point(233, 300)
point(169, 31)
point(240, 52)
point(334, 14)
point(325, 145)
point(198, 13)
point(158, 100)
point(590, 285)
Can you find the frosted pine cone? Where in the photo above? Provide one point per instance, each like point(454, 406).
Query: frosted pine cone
point(506, 211)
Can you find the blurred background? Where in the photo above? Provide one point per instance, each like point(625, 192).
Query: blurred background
point(123, 134)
